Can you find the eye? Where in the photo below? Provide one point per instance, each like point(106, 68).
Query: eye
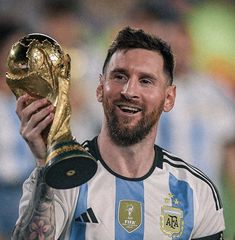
point(120, 77)
point(146, 81)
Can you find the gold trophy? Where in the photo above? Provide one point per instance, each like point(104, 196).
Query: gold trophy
point(38, 66)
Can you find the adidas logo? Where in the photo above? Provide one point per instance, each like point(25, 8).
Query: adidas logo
point(87, 217)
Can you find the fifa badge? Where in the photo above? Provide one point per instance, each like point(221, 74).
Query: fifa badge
point(130, 215)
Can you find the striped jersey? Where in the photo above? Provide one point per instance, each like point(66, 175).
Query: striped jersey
point(174, 200)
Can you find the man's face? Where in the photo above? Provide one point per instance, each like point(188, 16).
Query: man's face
point(134, 92)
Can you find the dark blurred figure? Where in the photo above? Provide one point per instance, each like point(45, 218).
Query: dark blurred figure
point(15, 157)
point(60, 20)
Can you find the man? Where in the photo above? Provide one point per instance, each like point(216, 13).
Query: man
point(140, 191)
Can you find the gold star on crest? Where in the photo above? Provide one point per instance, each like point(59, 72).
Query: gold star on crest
point(167, 200)
point(171, 195)
point(176, 201)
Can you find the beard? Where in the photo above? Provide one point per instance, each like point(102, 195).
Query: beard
point(122, 133)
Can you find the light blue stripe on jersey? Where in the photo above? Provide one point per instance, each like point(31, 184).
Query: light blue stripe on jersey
point(184, 194)
point(130, 191)
point(78, 229)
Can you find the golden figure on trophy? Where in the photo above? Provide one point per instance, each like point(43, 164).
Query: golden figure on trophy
point(38, 66)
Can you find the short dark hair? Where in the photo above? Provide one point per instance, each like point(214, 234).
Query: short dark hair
point(129, 38)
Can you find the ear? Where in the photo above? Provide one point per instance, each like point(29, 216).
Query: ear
point(170, 98)
point(99, 89)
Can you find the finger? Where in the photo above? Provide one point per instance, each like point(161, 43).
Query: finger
point(33, 131)
point(26, 113)
point(21, 104)
point(35, 141)
point(39, 116)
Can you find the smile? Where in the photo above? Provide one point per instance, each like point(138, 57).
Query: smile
point(129, 109)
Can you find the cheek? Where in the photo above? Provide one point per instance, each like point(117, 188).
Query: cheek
point(155, 100)
point(107, 87)
point(111, 91)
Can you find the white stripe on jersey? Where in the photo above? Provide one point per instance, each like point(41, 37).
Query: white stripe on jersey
point(179, 163)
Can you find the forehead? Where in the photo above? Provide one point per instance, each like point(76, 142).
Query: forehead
point(142, 59)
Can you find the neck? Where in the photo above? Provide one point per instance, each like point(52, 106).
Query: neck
point(129, 161)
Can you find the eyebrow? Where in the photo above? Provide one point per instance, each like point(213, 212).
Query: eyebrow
point(141, 74)
point(119, 70)
point(148, 75)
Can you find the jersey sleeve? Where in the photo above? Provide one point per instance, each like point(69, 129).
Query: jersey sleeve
point(209, 213)
point(217, 236)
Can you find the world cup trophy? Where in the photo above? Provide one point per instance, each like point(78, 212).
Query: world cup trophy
point(38, 66)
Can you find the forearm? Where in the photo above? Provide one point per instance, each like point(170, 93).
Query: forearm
point(38, 219)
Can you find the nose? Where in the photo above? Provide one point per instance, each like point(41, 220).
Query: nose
point(130, 89)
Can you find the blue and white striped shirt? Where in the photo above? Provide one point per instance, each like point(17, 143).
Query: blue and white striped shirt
point(173, 200)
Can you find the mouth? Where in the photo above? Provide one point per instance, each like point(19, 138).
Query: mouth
point(129, 109)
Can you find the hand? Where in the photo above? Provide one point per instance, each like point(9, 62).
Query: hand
point(36, 116)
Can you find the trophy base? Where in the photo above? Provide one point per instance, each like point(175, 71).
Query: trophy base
point(69, 165)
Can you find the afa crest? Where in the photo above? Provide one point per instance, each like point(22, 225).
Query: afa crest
point(171, 221)
point(130, 215)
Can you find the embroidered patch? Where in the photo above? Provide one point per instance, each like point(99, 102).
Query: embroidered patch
point(130, 215)
point(171, 221)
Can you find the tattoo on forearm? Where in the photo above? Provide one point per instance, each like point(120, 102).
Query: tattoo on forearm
point(38, 221)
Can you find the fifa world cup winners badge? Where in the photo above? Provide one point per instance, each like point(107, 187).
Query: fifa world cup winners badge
point(38, 66)
point(130, 215)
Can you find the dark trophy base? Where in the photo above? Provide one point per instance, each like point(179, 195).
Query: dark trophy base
point(68, 165)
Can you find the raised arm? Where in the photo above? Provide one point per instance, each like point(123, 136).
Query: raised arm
point(38, 219)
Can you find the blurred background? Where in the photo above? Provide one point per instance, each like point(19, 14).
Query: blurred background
point(200, 129)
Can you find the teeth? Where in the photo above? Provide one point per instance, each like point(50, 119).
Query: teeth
point(129, 109)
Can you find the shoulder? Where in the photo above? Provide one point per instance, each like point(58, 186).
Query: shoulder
point(198, 181)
